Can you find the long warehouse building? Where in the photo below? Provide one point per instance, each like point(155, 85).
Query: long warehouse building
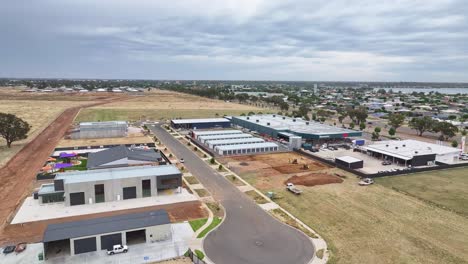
point(196, 133)
point(200, 123)
point(213, 143)
point(203, 139)
point(276, 126)
point(246, 148)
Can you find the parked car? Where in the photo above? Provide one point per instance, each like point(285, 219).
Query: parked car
point(290, 187)
point(366, 181)
point(182, 160)
point(117, 249)
point(20, 247)
point(9, 249)
point(386, 162)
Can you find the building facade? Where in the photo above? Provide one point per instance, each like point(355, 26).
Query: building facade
point(101, 130)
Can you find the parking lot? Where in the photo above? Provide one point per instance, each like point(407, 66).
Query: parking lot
point(371, 164)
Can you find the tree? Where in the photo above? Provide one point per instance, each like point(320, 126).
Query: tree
point(362, 126)
point(396, 120)
point(358, 115)
point(422, 124)
point(445, 129)
point(377, 129)
point(463, 132)
point(375, 135)
point(454, 144)
point(392, 131)
point(284, 106)
point(351, 125)
point(13, 128)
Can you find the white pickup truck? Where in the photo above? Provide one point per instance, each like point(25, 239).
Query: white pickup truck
point(117, 249)
point(290, 187)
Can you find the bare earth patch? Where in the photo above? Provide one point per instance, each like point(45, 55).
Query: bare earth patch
point(313, 179)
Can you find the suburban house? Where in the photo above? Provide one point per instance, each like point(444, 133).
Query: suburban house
point(106, 185)
point(122, 156)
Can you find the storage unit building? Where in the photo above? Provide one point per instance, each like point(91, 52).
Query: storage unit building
point(350, 162)
point(103, 233)
point(246, 148)
point(202, 123)
point(213, 143)
point(105, 185)
point(196, 133)
point(203, 139)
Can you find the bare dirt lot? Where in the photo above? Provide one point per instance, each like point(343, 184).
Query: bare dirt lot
point(132, 138)
point(32, 232)
point(313, 179)
point(272, 170)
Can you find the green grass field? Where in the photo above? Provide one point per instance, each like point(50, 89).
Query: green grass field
point(196, 224)
point(216, 221)
point(97, 114)
point(376, 224)
point(446, 188)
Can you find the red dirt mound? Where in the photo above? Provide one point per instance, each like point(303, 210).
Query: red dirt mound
point(313, 179)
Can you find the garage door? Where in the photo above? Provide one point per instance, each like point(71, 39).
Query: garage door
point(85, 245)
point(108, 241)
point(129, 193)
point(77, 198)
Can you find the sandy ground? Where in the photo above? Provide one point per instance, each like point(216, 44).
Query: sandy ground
point(274, 170)
point(32, 232)
point(132, 138)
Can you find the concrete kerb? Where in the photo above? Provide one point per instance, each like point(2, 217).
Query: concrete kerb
point(319, 243)
point(207, 259)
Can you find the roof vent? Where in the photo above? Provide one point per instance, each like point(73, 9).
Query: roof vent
point(396, 147)
point(307, 123)
point(274, 115)
point(248, 118)
point(268, 124)
point(284, 117)
point(404, 145)
point(257, 120)
point(294, 120)
point(416, 151)
point(386, 145)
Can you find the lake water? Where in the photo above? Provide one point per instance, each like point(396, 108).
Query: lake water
point(427, 90)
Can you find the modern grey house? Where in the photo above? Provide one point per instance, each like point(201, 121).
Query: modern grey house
point(101, 130)
point(122, 156)
point(103, 233)
point(106, 185)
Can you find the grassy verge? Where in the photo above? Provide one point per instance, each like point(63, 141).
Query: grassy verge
point(256, 197)
point(216, 221)
point(202, 192)
point(216, 209)
point(196, 224)
point(285, 218)
point(191, 180)
point(199, 254)
point(234, 180)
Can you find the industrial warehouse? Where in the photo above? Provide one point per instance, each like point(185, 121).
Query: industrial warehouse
point(413, 152)
point(105, 185)
point(203, 123)
point(103, 233)
point(278, 126)
point(100, 130)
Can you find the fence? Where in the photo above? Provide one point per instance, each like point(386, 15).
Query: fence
point(194, 257)
point(440, 166)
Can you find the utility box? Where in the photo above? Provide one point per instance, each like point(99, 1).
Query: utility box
point(295, 142)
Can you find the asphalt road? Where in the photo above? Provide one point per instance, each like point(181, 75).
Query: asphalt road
point(248, 234)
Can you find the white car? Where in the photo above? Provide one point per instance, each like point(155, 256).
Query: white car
point(117, 249)
point(182, 160)
point(366, 181)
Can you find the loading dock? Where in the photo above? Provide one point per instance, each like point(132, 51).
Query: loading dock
point(136, 237)
point(108, 241)
point(77, 198)
point(84, 245)
point(129, 193)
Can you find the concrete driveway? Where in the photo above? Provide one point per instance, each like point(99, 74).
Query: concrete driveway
point(248, 234)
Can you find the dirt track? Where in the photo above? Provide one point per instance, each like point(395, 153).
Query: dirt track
point(18, 175)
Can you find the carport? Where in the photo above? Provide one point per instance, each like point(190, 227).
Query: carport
point(102, 233)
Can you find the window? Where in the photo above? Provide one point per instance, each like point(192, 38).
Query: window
point(146, 188)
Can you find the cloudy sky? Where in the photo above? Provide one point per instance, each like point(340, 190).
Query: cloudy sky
point(334, 40)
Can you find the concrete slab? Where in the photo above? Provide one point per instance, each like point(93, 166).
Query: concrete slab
point(246, 188)
point(31, 210)
point(197, 186)
point(141, 253)
point(269, 206)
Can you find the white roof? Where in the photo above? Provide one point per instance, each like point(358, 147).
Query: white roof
point(201, 120)
point(296, 125)
point(216, 132)
point(349, 159)
point(116, 173)
point(214, 137)
point(407, 149)
point(246, 146)
point(234, 141)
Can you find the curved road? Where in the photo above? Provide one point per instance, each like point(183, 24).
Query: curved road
point(248, 234)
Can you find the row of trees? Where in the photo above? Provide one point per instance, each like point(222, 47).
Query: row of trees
point(13, 128)
point(427, 124)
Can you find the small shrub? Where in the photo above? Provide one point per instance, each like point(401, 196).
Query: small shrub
point(170, 155)
point(188, 144)
point(165, 149)
point(182, 168)
point(454, 144)
point(195, 149)
point(220, 167)
point(205, 156)
point(212, 161)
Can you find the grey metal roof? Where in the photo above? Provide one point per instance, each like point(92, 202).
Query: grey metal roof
point(216, 132)
point(106, 123)
point(247, 146)
point(117, 173)
point(234, 141)
point(407, 149)
point(200, 120)
point(102, 157)
point(349, 159)
point(47, 188)
point(104, 225)
point(214, 137)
